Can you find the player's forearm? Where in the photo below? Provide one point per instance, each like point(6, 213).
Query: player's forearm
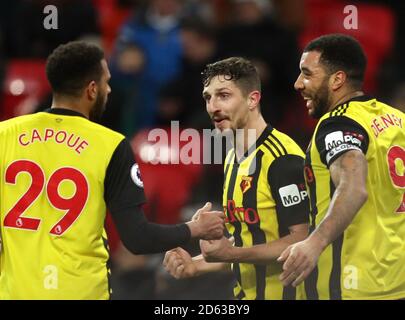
point(349, 174)
point(143, 237)
point(264, 253)
point(344, 206)
point(203, 267)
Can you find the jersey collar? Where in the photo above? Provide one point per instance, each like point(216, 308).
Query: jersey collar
point(266, 132)
point(64, 112)
point(359, 98)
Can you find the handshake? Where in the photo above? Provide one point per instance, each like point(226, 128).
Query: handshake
point(206, 224)
point(214, 246)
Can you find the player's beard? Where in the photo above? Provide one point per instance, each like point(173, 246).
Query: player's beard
point(321, 102)
point(98, 107)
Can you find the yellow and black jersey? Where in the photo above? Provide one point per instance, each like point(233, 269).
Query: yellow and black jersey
point(59, 172)
point(264, 194)
point(367, 261)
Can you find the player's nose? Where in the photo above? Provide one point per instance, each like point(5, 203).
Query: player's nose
point(299, 84)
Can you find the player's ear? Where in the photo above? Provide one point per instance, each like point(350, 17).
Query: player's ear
point(92, 90)
point(337, 80)
point(254, 99)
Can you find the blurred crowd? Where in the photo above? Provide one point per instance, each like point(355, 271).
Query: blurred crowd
point(156, 51)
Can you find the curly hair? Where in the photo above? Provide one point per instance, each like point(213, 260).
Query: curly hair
point(71, 66)
point(341, 52)
point(237, 69)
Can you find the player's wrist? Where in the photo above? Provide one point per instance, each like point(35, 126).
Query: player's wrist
point(198, 269)
point(231, 254)
point(201, 266)
point(318, 240)
point(195, 231)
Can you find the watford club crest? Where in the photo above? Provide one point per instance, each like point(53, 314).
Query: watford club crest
point(246, 183)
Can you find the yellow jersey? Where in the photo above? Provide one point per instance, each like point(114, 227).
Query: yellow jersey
point(264, 194)
point(367, 261)
point(55, 181)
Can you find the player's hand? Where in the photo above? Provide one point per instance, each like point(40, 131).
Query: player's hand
point(179, 264)
point(207, 206)
point(217, 250)
point(300, 259)
point(207, 225)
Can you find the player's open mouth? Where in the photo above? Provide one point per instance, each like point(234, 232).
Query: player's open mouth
point(219, 120)
point(308, 100)
point(220, 123)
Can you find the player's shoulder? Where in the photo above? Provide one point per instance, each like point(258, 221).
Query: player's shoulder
point(358, 108)
point(82, 123)
point(90, 126)
point(355, 111)
point(12, 122)
point(358, 111)
point(279, 144)
point(103, 131)
point(41, 117)
point(390, 110)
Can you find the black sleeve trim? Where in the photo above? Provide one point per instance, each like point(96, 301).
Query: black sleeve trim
point(338, 135)
point(287, 184)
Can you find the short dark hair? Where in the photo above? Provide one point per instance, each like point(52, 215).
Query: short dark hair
point(71, 66)
point(236, 69)
point(341, 52)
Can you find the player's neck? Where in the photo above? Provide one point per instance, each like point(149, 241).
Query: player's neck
point(345, 97)
point(256, 126)
point(70, 104)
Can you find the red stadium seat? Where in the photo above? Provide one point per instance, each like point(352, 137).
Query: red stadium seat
point(111, 18)
point(375, 30)
point(25, 84)
point(168, 187)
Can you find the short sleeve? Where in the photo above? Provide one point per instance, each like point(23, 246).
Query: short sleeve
point(337, 135)
point(286, 180)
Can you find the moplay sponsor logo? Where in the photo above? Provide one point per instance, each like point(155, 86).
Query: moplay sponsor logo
point(336, 138)
point(291, 195)
point(333, 139)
